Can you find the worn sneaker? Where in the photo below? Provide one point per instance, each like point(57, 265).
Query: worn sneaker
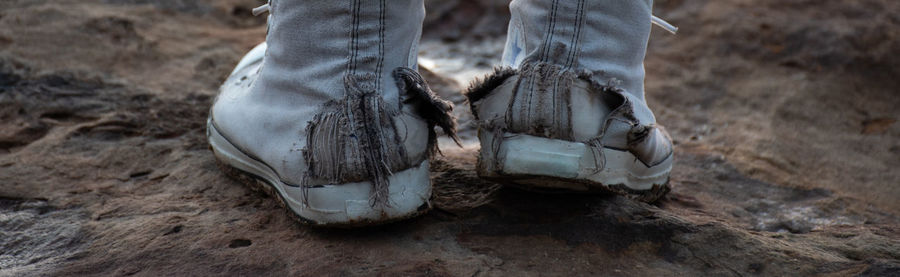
point(330, 116)
point(566, 112)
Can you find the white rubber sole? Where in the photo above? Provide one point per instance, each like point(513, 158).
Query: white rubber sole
point(332, 204)
point(549, 164)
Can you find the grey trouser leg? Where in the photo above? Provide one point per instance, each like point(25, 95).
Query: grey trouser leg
point(314, 44)
point(603, 36)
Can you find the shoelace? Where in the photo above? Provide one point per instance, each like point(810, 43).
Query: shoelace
point(663, 24)
point(261, 9)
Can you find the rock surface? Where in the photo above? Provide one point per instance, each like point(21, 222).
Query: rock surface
point(784, 115)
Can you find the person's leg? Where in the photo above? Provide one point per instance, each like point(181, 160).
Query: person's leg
point(568, 111)
point(333, 116)
point(608, 36)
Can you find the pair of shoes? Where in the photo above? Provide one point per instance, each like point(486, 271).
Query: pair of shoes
point(333, 120)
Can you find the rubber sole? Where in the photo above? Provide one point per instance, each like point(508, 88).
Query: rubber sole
point(557, 166)
point(328, 205)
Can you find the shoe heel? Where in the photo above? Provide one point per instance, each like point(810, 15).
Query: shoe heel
point(533, 163)
point(328, 205)
point(530, 155)
point(559, 166)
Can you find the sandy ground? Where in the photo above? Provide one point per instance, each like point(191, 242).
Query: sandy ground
point(784, 115)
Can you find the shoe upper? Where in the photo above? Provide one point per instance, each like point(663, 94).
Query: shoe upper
point(581, 81)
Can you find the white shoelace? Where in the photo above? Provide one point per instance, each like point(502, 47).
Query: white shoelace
point(261, 9)
point(663, 24)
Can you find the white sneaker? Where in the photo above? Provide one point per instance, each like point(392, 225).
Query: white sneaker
point(567, 110)
point(330, 116)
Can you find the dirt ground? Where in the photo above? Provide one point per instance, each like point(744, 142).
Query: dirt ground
point(784, 114)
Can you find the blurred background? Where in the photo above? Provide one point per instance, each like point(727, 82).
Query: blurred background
point(784, 114)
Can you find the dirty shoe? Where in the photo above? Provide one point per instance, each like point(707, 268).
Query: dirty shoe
point(330, 116)
point(567, 110)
